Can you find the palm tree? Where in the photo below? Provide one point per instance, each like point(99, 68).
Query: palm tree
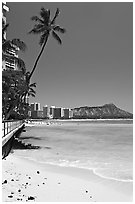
point(28, 89)
point(12, 86)
point(45, 27)
point(15, 89)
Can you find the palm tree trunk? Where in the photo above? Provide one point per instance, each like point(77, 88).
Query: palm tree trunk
point(36, 62)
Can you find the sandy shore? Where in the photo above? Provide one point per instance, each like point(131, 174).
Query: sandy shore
point(24, 180)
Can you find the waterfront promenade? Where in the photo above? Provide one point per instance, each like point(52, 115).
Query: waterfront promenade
point(10, 129)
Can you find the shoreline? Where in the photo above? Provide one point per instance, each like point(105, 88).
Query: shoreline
point(73, 168)
point(53, 122)
point(26, 181)
point(87, 119)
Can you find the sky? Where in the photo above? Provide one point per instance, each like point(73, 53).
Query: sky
point(94, 64)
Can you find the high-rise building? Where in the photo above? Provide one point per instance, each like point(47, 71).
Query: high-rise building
point(46, 111)
point(34, 114)
point(51, 114)
point(57, 113)
point(39, 114)
point(66, 113)
point(35, 110)
point(8, 63)
point(37, 106)
point(70, 113)
point(62, 112)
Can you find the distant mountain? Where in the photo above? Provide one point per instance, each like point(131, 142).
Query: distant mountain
point(107, 111)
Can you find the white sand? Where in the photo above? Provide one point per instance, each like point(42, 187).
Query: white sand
point(57, 184)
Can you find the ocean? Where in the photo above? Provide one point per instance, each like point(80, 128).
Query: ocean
point(103, 146)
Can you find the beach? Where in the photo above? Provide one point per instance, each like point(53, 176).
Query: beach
point(23, 180)
point(62, 171)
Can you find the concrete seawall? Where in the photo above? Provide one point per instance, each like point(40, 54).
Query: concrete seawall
point(7, 141)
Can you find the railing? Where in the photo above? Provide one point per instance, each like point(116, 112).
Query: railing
point(10, 125)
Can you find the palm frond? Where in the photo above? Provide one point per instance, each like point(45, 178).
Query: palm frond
point(33, 85)
point(31, 94)
point(56, 37)
point(45, 14)
point(55, 16)
point(31, 90)
point(36, 18)
point(40, 28)
point(49, 15)
point(59, 29)
point(33, 31)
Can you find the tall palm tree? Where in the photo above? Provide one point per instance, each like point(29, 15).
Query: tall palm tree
point(45, 27)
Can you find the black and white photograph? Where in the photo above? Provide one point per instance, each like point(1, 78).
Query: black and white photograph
point(67, 101)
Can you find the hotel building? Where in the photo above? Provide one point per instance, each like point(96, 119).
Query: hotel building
point(46, 111)
point(66, 113)
point(57, 113)
point(51, 113)
point(8, 63)
point(62, 112)
point(35, 111)
point(70, 113)
point(37, 106)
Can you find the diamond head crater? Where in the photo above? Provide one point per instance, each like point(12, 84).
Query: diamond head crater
point(107, 111)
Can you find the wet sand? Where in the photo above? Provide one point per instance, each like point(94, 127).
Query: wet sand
point(25, 180)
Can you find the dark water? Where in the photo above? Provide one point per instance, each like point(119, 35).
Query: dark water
point(106, 147)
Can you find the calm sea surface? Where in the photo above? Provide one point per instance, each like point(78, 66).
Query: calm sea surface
point(106, 147)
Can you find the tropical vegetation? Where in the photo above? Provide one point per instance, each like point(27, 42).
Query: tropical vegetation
point(16, 86)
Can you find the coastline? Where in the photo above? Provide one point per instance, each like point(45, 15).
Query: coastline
point(25, 180)
point(66, 122)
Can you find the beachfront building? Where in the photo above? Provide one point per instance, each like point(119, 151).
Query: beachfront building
point(39, 114)
point(46, 111)
point(35, 111)
point(8, 63)
point(37, 106)
point(34, 114)
point(57, 113)
point(62, 112)
point(66, 113)
point(70, 113)
point(51, 113)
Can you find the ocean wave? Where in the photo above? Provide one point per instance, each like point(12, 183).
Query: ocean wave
point(100, 172)
point(102, 175)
